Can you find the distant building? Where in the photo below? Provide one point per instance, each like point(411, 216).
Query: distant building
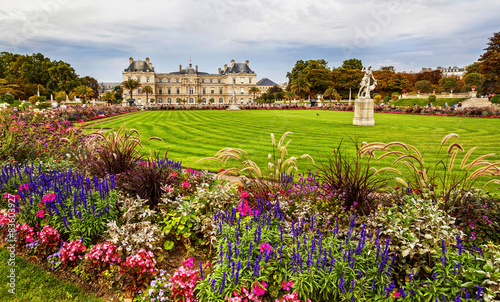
point(107, 86)
point(452, 71)
point(264, 84)
point(190, 85)
point(446, 71)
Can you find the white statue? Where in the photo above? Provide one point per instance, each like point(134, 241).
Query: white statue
point(364, 90)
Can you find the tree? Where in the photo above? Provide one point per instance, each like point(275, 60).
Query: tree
point(473, 79)
point(424, 86)
point(329, 93)
point(352, 64)
point(83, 92)
point(431, 76)
point(448, 83)
point(60, 96)
point(118, 92)
point(315, 72)
point(147, 90)
point(473, 68)
point(289, 95)
point(254, 90)
point(6, 87)
point(490, 64)
point(383, 77)
point(344, 79)
point(62, 77)
point(130, 85)
point(108, 96)
point(300, 86)
point(93, 84)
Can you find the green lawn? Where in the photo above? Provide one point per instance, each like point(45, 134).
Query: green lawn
point(34, 284)
point(424, 101)
point(192, 135)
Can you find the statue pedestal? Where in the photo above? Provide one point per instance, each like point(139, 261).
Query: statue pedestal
point(233, 107)
point(363, 112)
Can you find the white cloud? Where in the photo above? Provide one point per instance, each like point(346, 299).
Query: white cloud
point(376, 30)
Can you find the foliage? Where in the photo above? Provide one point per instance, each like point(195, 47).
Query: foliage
point(424, 178)
point(353, 177)
point(473, 79)
point(395, 96)
point(377, 98)
point(48, 136)
point(424, 86)
point(134, 230)
point(7, 98)
point(279, 170)
point(183, 282)
point(130, 85)
point(140, 267)
point(495, 99)
point(490, 64)
point(448, 83)
point(178, 227)
point(49, 240)
point(72, 253)
point(101, 257)
point(432, 98)
point(159, 289)
point(352, 64)
point(148, 178)
point(416, 227)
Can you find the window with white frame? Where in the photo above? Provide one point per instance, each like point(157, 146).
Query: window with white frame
point(160, 100)
point(191, 101)
point(169, 100)
point(221, 101)
point(147, 79)
point(191, 90)
point(242, 90)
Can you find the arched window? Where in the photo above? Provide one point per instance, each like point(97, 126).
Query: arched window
point(138, 90)
point(138, 101)
point(204, 100)
point(169, 100)
point(191, 101)
point(191, 90)
point(221, 101)
point(160, 100)
point(242, 100)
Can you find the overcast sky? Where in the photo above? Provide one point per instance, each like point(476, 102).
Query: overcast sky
point(98, 37)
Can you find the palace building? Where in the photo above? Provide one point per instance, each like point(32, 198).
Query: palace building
point(188, 85)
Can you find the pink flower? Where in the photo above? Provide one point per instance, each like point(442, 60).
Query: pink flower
point(265, 247)
point(174, 174)
point(287, 285)
point(244, 208)
point(24, 187)
point(40, 214)
point(259, 289)
point(395, 294)
point(48, 197)
point(189, 170)
point(185, 184)
point(144, 163)
point(188, 263)
point(244, 194)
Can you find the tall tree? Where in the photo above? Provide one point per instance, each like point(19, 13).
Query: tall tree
point(83, 92)
point(147, 90)
point(398, 82)
point(490, 64)
point(329, 93)
point(448, 83)
point(473, 79)
point(352, 64)
point(300, 86)
point(130, 85)
point(473, 68)
point(344, 80)
point(62, 77)
point(315, 72)
point(108, 96)
point(254, 90)
point(118, 92)
point(424, 86)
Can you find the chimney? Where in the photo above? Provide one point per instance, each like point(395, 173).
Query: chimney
point(247, 62)
point(180, 67)
point(232, 63)
point(219, 69)
point(130, 60)
point(196, 68)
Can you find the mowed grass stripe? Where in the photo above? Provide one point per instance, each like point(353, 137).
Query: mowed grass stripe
point(192, 135)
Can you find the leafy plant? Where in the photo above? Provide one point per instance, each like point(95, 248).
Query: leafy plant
point(423, 177)
point(277, 176)
point(352, 177)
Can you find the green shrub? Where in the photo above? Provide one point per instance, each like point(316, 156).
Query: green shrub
point(495, 99)
point(395, 96)
point(377, 98)
point(386, 99)
point(432, 98)
point(7, 98)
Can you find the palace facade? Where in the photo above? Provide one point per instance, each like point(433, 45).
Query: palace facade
point(188, 85)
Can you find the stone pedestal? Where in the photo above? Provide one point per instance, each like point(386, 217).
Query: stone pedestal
point(233, 107)
point(363, 112)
